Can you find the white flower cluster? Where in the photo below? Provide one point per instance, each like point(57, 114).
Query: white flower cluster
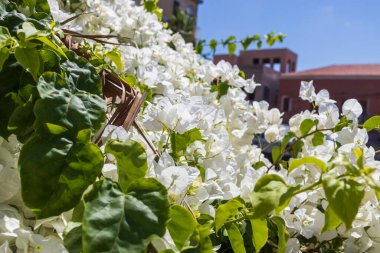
point(183, 99)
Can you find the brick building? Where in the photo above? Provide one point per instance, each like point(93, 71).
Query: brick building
point(168, 7)
point(360, 81)
point(267, 65)
point(275, 69)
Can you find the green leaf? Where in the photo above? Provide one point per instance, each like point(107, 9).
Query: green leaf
point(229, 40)
point(27, 32)
point(318, 139)
point(332, 221)
point(59, 106)
point(4, 54)
point(29, 59)
point(115, 58)
point(282, 233)
point(181, 225)
point(286, 140)
point(259, 233)
point(124, 223)
point(131, 80)
point(10, 82)
point(73, 237)
point(344, 197)
point(231, 48)
point(372, 123)
point(180, 142)
point(81, 75)
point(131, 161)
point(55, 171)
point(359, 156)
point(199, 46)
point(236, 239)
point(295, 163)
point(5, 37)
point(52, 45)
point(306, 126)
point(201, 240)
point(221, 88)
point(267, 195)
point(225, 211)
point(213, 44)
point(22, 119)
point(276, 152)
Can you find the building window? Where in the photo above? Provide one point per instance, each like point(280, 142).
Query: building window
point(277, 64)
point(266, 62)
point(286, 104)
point(256, 61)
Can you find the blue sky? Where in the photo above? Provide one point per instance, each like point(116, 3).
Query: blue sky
point(321, 32)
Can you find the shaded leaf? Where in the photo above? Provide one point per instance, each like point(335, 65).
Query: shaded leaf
point(131, 161)
point(55, 171)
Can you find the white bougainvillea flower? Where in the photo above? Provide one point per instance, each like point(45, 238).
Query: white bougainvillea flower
point(29, 242)
point(178, 179)
point(272, 134)
point(323, 96)
point(307, 91)
point(10, 221)
point(293, 246)
point(352, 109)
point(329, 114)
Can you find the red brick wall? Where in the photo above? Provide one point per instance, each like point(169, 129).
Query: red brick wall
point(340, 90)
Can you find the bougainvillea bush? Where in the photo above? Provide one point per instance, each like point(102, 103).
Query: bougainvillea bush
point(194, 182)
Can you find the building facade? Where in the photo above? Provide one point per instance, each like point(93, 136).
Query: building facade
point(275, 70)
point(267, 65)
point(360, 81)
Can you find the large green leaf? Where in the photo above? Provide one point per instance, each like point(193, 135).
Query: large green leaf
point(282, 233)
point(4, 54)
point(29, 59)
point(22, 119)
point(267, 195)
point(294, 163)
point(59, 106)
point(181, 225)
point(131, 161)
point(201, 240)
point(235, 237)
point(124, 223)
point(372, 123)
point(55, 171)
point(81, 75)
point(259, 233)
point(9, 86)
point(73, 237)
point(344, 197)
point(332, 221)
point(225, 211)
